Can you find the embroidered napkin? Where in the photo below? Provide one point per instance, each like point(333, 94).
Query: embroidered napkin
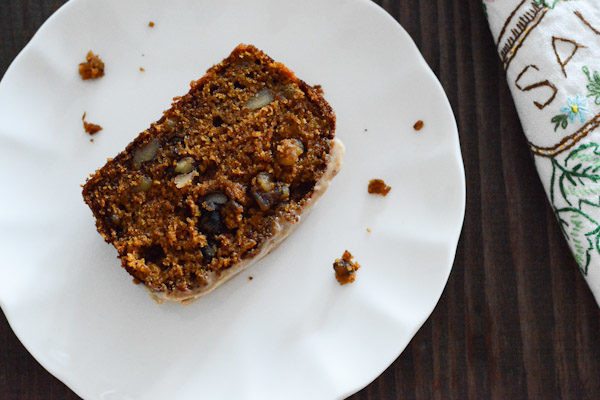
point(550, 50)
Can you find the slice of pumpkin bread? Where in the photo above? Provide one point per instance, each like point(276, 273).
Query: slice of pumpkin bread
point(219, 180)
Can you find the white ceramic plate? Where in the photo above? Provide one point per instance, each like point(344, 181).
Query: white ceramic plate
point(292, 332)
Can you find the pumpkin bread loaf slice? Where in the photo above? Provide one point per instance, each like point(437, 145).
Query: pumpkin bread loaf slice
point(219, 180)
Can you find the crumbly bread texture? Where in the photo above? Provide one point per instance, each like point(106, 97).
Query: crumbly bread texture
point(219, 180)
point(345, 269)
point(378, 186)
point(92, 68)
point(90, 128)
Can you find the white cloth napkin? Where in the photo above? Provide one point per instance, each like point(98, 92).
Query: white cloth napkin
point(551, 52)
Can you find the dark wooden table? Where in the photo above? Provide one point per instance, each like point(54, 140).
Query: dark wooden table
point(516, 319)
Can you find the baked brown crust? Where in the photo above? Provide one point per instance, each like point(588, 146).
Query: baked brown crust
point(210, 185)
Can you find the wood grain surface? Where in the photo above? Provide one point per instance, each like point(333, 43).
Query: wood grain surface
point(516, 320)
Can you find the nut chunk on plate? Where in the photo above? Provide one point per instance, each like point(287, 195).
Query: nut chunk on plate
point(220, 180)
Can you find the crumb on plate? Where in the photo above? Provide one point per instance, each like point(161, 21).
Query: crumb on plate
point(418, 125)
point(151, 24)
point(142, 69)
point(369, 230)
point(89, 127)
point(250, 278)
point(378, 186)
point(345, 269)
point(92, 68)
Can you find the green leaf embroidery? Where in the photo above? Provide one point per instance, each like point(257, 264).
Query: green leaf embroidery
point(560, 120)
point(594, 84)
point(577, 179)
point(573, 223)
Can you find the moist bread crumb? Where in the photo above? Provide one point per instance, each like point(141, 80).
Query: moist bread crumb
point(378, 186)
point(92, 68)
point(345, 269)
point(89, 127)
